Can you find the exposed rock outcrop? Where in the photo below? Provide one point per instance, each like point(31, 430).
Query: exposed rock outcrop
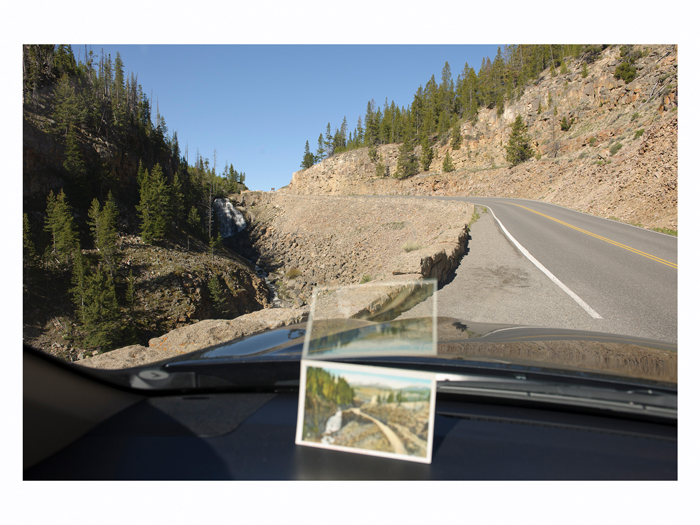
point(619, 158)
point(329, 240)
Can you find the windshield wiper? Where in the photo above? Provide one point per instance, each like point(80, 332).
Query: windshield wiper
point(619, 398)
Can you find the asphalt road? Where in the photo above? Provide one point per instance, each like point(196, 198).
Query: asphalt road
point(565, 269)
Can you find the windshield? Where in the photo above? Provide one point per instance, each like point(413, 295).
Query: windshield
point(517, 215)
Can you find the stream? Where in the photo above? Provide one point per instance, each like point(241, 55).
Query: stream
point(231, 222)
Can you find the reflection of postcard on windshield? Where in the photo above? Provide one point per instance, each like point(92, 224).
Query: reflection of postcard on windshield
point(387, 318)
point(366, 410)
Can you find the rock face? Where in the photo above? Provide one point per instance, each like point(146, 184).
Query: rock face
point(619, 158)
point(203, 334)
point(330, 240)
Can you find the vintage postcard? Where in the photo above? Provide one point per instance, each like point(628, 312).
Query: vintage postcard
point(366, 410)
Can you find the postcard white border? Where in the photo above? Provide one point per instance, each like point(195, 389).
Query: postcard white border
point(399, 373)
point(310, 320)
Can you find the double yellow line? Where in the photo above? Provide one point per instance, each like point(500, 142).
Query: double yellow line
point(615, 243)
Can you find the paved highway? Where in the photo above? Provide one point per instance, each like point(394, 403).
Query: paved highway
point(540, 264)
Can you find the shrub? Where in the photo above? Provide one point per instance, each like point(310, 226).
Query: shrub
point(638, 133)
point(626, 72)
point(372, 153)
point(592, 141)
point(366, 279)
point(411, 246)
point(615, 148)
point(565, 124)
point(293, 273)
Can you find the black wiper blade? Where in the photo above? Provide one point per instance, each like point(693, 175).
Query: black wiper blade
point(618, 398)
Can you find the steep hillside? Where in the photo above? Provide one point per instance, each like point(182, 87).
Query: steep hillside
point(618, 159)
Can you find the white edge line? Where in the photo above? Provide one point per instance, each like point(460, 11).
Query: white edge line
point(581, 302)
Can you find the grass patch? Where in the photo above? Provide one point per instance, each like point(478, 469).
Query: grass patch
point(366, 279)
point(478, 210)
point(394, 225)
point(667, 231)
point(293, 273)
point(411, 246)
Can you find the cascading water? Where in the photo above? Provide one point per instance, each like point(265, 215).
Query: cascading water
point(231, 222)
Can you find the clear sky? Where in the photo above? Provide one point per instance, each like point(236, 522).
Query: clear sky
point(257, 105)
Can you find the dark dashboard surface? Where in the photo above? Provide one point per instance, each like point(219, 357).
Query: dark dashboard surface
point(250, 436)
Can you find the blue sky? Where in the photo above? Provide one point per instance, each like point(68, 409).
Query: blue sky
point(257, 105)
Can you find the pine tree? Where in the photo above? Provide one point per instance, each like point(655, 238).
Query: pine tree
point(61, 226)
point(28, 251)
point(518, 149)
point(100, 310)
point(153, 207)
point(328, 142)
point(103, 224)
point(177, 201)
point(456, 137)
point(447, 165)
point(74, 164)
point(68, 110)
point(426, 153)
point(320, 151)
point(308, 159)
point(217, 296)
point(78, 279)
point(407, 164)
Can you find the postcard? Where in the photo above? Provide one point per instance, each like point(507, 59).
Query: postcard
point(369, 410)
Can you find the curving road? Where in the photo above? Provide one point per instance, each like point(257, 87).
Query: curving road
point(394, 440)
point(539, 264)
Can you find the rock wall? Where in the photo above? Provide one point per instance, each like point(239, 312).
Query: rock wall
point(582, 168)
point(331, 240)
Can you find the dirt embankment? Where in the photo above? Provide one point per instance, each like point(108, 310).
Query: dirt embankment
point(331, 240)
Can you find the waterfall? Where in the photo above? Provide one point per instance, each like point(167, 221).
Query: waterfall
point(231, 220)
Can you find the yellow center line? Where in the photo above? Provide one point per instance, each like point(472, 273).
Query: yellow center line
point(629, 248)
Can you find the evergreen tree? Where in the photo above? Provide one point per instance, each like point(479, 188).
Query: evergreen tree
point(381, 169)
point(100, 311)
point(447, 165)
point(74, 164)
point(407, 164)
point(68, 109)
point(194, 221)
point(153, 205)
point(320, 151)
point(28, 251)
point(426, 153)
point(308, 159)
point(103, 224)
point(177, 201)
point(456, 137)
point(218, 298)
point(518, 149)
point(328, 142)
point(61, 226)
point(79, 281)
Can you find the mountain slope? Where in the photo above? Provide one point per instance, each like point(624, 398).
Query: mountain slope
point(618, 159)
